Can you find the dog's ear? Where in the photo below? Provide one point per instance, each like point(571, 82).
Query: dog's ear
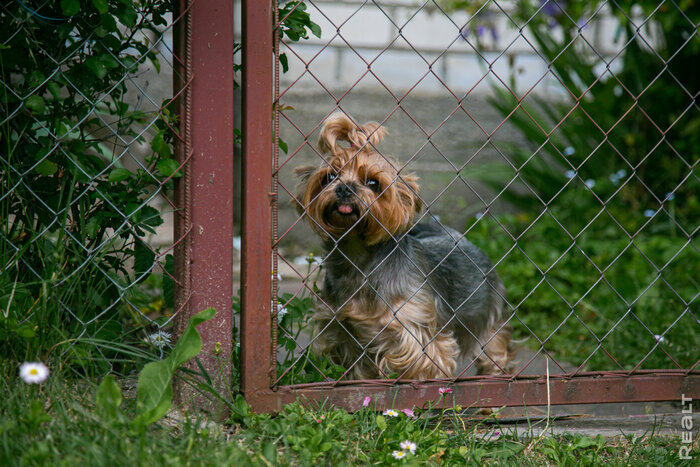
point(408, 187)
point(304, 173)
point(339, 127)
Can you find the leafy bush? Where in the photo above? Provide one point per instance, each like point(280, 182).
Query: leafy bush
point(589, 292)
point(602, 259)
point(629, 118)
point(74, 216)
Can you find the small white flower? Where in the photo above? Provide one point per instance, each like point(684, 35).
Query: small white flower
point(670, 196)
point(399, 454)
point(590, 183)
point(159, 339)
point(391, 413)
point(281, 310)
point(33, 372)
point(621, 173)
point(408, 446)
point(479, 215)
point(649, 212)
point(659, 339)
point(570, 174)
point(614, 179)
point(569, 151)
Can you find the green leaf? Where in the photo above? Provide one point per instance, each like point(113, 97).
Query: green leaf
point(381, 422)
point(143, 260)
point(159, 146)
point(169, 167)
point(269, 450)
point(96, 66)
point(70, 7)
point(154, 391)
point(92, 226)
point(35, 103)
point(101, 5)
point(109, 398)
point(118, 175)
point(26, 331)
point(46, 167)
point(284, 62)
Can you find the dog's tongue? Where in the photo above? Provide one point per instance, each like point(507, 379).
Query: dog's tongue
point(345, 208)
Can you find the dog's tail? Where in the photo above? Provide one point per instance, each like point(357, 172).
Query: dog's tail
point(339, 127)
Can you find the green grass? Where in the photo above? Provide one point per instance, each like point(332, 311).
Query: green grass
point(60, 423)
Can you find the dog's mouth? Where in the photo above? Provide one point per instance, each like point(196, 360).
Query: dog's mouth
point(346, 209)
point(342, 215)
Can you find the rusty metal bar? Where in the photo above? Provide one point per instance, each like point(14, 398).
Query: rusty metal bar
point(257, 174)
point(589, 388)
point(207, 190)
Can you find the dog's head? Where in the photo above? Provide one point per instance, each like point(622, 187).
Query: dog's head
point(356, 191)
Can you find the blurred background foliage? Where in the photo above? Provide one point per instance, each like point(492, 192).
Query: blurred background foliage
point(601, 262)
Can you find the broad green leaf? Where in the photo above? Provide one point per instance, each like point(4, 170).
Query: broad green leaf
point(101, 5)
point(118, 175)
point(381, 422)
point(46, 167)
point(109, 398)
point(96, 66)
point(169, 167)
point(154, 391)
point(35, 103)
point(143, 260)
point(70, 7)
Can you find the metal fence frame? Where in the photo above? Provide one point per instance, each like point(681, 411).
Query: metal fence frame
point(257, 340)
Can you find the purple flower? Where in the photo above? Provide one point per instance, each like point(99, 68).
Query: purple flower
point(366, 401)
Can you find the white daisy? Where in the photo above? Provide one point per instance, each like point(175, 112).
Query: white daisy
point(159, 339)
point(33, 372)
point(408, 446)
point(391, 413)
point(399, 454)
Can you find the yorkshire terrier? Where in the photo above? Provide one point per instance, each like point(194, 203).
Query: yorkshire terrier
point(398, 298)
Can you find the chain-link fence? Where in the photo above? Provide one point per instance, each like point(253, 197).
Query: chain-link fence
point(547, 152)
point(88, 173)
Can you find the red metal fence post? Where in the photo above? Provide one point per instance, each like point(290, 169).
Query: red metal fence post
point(207, 189)
point(257, 164)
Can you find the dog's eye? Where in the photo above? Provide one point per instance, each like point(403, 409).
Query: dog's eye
point(372, 184)
point(329, 178)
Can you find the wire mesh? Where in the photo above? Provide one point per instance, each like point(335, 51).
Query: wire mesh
point(538, 133)
point(88, 174)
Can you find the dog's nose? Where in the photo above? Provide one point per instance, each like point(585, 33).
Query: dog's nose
point(344, 191)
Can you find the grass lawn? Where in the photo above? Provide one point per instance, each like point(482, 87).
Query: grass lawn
point(64, 421)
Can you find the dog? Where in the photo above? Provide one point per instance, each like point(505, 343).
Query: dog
point(399, 299)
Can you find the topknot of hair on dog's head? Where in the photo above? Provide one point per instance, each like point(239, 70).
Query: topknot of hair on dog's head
point(339, 127)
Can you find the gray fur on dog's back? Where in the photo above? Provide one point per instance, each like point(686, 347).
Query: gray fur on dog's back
point(472, 295)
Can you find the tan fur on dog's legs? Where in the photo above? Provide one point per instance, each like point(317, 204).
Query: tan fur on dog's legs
point(497, 353)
